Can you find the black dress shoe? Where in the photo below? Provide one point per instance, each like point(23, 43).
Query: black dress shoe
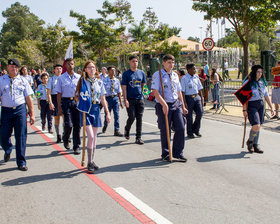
point(66, 145)
point(181, 159)
point(249, 146)
point(58, 139)
point(7, 157)
point(95, 166)
point(198, 134)
point(139, 141)
point(23, 168)
point(77, 151)
point(126, 134)
point(117, 133)
point(257, 149)
point(191, 136)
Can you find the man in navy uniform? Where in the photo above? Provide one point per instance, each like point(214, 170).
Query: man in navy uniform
point(192, 90)
point(65, 88)
point(133, 81)
point(172, 106)
point(15, 92)
point(113, 97)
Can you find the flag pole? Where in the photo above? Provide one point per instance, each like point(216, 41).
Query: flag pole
point(84, 135)
point(166, 118)
point(244, 133)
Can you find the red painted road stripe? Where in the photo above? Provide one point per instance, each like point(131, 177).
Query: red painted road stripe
point(114, 195)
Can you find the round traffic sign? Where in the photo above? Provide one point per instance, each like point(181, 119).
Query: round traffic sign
point(208, 44)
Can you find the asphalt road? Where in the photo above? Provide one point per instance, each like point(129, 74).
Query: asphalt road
point(220, 183)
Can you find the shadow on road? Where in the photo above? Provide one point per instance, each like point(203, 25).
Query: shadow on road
point(38, 178)
point(240, 155)
point(150, 164)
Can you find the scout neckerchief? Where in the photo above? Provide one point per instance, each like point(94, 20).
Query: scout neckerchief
point(92, 81)
point(112, 86)
point(170, 77)
point(259, 89)
point(11, 84)
point(45, 85)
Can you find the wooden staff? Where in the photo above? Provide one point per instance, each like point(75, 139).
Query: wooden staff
point(244, 133)
point(84, 134)
point(166, 118)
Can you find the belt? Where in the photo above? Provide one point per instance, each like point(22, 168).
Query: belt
point(11, 107)
point(171, 102)
point(193, 95)
point(112, 96)
point(68, 98)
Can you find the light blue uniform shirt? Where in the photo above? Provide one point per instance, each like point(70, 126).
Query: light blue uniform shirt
point(52, 84)
point(99, 90)
point(255, 91)
point(29, 79)
point(191, 84)
point(103, 77)
point(107, 84)
point(20, 90)
point(66, 84)
point(170, 94)
point(206, 69)
point(42, 89)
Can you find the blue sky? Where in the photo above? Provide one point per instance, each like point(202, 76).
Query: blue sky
point(177, 13)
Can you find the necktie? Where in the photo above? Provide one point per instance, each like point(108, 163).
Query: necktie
point(112, 87)
point(11, 84)
point(172, 84)
point(46, 91)
point(259, 89)
point(92, 81)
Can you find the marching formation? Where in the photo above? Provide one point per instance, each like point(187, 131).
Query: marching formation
point(79, 98)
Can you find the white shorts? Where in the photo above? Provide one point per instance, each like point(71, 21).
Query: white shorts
point(275, 98)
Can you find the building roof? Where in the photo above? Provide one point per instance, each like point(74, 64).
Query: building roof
point(189, 46)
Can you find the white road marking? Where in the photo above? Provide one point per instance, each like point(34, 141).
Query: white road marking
point(147, 210)
point(45, 132)
point(149, 124)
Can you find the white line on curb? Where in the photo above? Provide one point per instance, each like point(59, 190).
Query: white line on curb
point(147, 210)
point(45, 132)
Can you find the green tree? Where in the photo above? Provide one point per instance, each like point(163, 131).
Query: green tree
point(163, 31)
point(97, 34)
point(196, 39)
point(174, 49)
point(243, 15)
point(140, 36)
point(54, 42)
point(20, 24)
point(28, 53)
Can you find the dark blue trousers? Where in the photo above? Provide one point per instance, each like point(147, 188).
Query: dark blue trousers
point(46, 113)
point(175, 116)
point(194, 104)
point(14, 119)
point(71, 120)
point(113, 104)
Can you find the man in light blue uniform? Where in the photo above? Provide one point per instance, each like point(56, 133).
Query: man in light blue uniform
point(52, 96)
point(172, 106)
point(113, 98)
point(192, 90)
point(103, 73)
point(65, 88)
point(15, 91)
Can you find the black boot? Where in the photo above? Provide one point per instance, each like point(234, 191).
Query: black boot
point(104, 129)
point(249, 146)
point(58, 139)
point(257, 149)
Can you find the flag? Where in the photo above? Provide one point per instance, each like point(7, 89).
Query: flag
point(244, 93)
point(275, 70)
point(217, 21)
point(84, 98)
point(69, 54)
point(38, 94)
point(146, 90)
point(223, 21)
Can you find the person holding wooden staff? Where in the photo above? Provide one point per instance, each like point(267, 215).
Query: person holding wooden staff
point(90, 88)
point(173, 106)
point(254, 109)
